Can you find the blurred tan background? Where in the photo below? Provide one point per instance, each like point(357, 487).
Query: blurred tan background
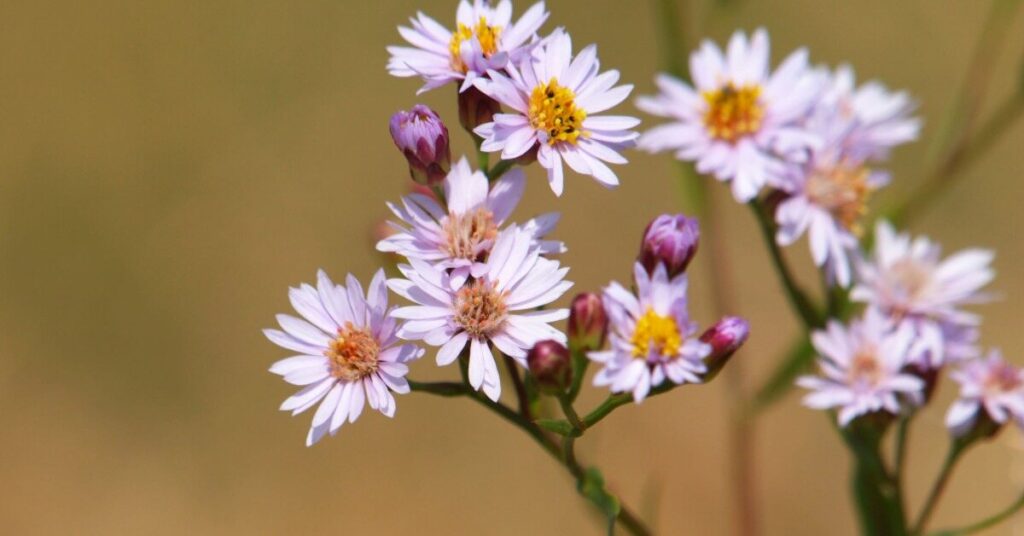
point(169, 168)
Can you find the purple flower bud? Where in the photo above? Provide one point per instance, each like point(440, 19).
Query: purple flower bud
point(725, 337)
point(670, 239)
point(476, 108)
point(423, 139)
point(550, 365)
point(588, 323)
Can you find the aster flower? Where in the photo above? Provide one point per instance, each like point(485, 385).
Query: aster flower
point(651, 335)
point(485, 38)
point(497, 306)
point(989, 385)
point(862, 368)
point(738, 122)
point(460, 238)
point(554, 100)
point(880, 119)
point(348, 352)
point(826, 198)
point(909, 281)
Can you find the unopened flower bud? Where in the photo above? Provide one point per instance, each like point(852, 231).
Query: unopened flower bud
point(725, 337)
point(423, 139)
point(476, 108)
point(550, 366)
point(588, 323)
point(670, 239)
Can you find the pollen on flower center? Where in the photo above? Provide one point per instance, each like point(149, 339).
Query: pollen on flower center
point(486, 35)
point(843, 191)
point(655, 332)
point(465, 233)
point(479, 308)
point(354, 354)
point(865, 369)
point(733, 112)
point(912, 278)
point(553, 110)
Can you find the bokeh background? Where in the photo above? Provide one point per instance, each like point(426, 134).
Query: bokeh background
point(168, 168)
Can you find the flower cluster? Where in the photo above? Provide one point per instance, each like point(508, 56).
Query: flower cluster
point(805, 133)
point(481, 285)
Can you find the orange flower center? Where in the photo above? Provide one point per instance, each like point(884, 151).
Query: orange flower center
point(479, 308)
point(354, 354)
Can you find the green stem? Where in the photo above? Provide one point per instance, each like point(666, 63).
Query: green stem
point(803, 306)
point(986, 523)
point(956, 449)
point(616, 400)
point(499, 169)
point(517, 382)
point(483, 158)
point(570, 414)
point(875, 489)
point(902, 432)
point(580, 362)
point(795, 363)
point(567, 458)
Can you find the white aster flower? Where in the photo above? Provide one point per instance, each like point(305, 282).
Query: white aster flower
point(497, 306)
point(862, 368)
point(485, 38)
point(651, 335)
point(348, 352)
point(989, 385)
point(554, 100)
point(460, 238)
point(909, 281)
point(880, 119)
point(740, 122)
point(826, 197)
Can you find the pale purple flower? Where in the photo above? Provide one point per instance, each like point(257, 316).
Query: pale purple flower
point(862, 368)
point(554, 101)
point(497, 306)
point(826, 198)
point(879, 119)
point(908, 280)
point(989, 385)
point(485, 38)
point(460, 237)
point(348, 353)
point(738, 122)
point(651, 335)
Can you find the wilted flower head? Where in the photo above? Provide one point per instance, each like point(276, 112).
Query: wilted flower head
point(862, 368)
point(554, 100)
point(550, 365)
point(484, 38)
point(497, 306)
point(651, 335)
point(460, 238)
point(740, 122)
point(909, 281)
point(423, 139)
point(672, 240)
point(988, 386)
point(348, 352)
point(588, 323)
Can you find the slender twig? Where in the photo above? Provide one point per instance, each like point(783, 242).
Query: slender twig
point(946, 173)
point(803, 306)
point(986, 523)
point(955, 450)
point(517, 383)
point(570, 413)
point(580, 362)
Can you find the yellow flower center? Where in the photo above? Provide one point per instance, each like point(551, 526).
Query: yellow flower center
point(843, 191)
point(354, 355)
point(553, 110)
point(480, 308)
point(486, 35)
point(465, 233)
point(733, 112)
point(656, 332)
